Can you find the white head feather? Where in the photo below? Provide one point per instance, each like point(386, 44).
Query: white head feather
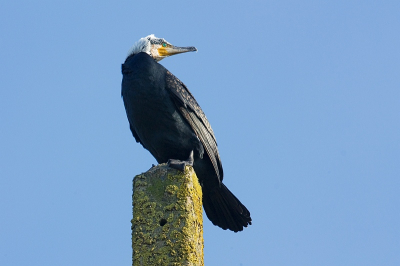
point(144, 45)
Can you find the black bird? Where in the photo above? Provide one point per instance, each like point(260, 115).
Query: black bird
point(166, 119)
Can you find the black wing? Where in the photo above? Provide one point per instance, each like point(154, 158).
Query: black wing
point(196, 118)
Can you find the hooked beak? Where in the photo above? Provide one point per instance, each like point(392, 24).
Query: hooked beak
point(171, 50)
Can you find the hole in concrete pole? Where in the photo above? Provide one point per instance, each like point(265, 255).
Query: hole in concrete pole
point(163, 222)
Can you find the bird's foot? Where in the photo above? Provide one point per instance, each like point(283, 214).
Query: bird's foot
point(180, 165)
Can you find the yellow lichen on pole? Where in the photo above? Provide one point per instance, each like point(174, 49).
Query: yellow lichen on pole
point(167, 224)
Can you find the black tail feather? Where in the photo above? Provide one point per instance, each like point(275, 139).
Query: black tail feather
point(224, 209)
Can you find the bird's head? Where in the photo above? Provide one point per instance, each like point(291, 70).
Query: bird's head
point(158, 48)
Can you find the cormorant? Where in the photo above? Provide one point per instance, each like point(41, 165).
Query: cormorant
point(166, 119)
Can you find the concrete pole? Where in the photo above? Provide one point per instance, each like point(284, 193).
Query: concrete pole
point(167, 224)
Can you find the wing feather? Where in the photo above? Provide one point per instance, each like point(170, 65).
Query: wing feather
point(194, 115)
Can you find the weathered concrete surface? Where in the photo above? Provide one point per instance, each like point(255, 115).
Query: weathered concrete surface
point(167, 224)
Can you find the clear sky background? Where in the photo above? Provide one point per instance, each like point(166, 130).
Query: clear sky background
point(303, 96)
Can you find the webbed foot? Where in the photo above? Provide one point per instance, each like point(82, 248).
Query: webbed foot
point(180, 165)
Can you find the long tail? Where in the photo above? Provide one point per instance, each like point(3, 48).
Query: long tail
point(224, 209)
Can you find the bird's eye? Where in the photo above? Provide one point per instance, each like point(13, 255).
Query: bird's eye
point(164, 44)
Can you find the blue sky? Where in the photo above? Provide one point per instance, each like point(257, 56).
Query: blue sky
point(303, 97)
